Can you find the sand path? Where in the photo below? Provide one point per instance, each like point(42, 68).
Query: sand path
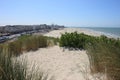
point(62, 65)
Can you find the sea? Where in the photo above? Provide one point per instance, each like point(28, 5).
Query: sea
point(108, 31)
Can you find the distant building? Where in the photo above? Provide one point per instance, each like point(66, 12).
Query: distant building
point(24, 28)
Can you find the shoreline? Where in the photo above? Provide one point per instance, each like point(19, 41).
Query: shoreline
point(87, 31)
point(109, 35)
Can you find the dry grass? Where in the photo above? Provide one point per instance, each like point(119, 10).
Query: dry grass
point(12, 69)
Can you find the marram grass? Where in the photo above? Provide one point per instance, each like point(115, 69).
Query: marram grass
point(12, 69)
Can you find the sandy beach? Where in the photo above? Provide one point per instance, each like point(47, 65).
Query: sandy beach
point(57, 33)
point(59, 63)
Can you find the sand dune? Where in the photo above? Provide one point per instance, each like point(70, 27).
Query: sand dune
point(59, 63)
point(63, 65)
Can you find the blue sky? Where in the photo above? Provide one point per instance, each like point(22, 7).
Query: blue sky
point(99, 13)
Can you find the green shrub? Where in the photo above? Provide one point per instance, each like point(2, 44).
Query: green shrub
point(75, 40)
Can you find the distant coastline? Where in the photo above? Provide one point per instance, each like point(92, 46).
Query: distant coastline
point(85, 30)
point(113, 32)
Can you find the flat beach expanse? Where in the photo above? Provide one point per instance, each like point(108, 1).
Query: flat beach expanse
point(59, 63)
point(57, 33)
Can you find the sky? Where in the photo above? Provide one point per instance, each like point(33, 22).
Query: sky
point(75, 13)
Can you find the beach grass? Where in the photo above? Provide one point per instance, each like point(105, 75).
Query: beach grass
point(24, 44)
point(13, 69)
point(10, 71)
point(104, 56)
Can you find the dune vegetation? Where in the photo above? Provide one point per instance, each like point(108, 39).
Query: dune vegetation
point(27, 43)
point(16, 70)
point(11, 69)
point(103, 52)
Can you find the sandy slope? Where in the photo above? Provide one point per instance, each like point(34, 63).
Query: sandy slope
point(59, 63)
point(63, 65)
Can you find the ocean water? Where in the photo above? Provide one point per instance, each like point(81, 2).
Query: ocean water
point(109, 31)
